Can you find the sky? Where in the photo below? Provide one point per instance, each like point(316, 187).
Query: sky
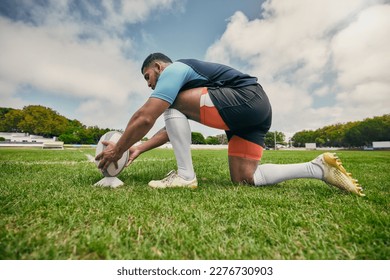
point(321, 62)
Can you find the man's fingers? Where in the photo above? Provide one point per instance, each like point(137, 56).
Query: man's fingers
point(99, 156)
point(104, 164)
point(101, 164)
point(106, 157)
point(130, 161)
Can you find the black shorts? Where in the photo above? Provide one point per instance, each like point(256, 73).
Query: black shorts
point(246, 111)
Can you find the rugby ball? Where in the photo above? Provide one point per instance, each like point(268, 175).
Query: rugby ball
point(111, 171)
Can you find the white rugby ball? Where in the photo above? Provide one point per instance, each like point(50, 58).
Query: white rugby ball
point(111, 171)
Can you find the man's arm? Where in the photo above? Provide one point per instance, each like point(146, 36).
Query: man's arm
point(139, 124)
point(158, 139)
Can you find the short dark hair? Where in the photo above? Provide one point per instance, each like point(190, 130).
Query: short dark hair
point(154, 57)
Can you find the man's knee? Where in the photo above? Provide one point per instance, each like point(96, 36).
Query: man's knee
point(242, 178)
point(171, 113)
point(242, 169)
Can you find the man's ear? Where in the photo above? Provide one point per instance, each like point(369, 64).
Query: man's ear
point(158, 66)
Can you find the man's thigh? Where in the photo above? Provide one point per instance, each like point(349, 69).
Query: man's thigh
point(188, 102)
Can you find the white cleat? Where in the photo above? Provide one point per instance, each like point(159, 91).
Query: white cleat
point(336, 175)
point(173, 180)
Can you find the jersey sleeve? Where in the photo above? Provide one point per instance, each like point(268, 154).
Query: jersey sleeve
point(171, 81)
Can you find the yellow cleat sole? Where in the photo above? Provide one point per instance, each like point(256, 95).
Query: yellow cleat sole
point(339, 177)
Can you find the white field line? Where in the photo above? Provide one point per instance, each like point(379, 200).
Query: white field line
point(154, 159)
point(45, 162)
point(90, 159)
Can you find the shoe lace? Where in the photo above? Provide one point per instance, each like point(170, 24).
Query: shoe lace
point(170, 177)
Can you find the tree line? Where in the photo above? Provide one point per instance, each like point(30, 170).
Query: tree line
point(43, 121)
point(350, 134)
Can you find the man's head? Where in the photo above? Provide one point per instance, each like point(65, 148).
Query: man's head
point(152, 67)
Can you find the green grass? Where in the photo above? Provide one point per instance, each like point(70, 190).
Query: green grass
point(50, 210)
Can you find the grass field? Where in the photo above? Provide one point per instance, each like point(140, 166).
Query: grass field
point(50, 210)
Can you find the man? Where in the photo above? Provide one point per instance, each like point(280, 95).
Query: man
point(221, 97)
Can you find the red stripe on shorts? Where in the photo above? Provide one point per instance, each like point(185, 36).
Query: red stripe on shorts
point(240, 147)
point(210, 116)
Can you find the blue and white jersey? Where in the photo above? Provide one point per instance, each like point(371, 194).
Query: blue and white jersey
point(191, 73)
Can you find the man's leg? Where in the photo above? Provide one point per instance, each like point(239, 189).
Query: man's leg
point(268, 174)
point(179, 134)
point(196, 105)
point(326, 167)
point(244, 168)
point(247, 170)
point(244, 157)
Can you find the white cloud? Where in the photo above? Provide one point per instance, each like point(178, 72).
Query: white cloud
point(59, 49)
point(322, 91)
point(361, 51)
point(107, 114)
point(361, 58)
point(57, 62)
point(132, 11)
point(303, 51)
point(298, 47)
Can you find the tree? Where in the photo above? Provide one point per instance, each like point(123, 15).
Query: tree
point(10, 120)
point(270, 138)
point(302, 137)
point(197, 138)
point(69, 138)
point(212, 140)
point(369, 130)
point(351, 134)
point(222, 138)
point(46, 122)
point(42, 121)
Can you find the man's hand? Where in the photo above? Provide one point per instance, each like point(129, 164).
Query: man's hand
point(134, 152)
point(108, 156)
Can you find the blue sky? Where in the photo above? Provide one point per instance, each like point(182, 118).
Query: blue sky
point(321, 62)
point(189, 33)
